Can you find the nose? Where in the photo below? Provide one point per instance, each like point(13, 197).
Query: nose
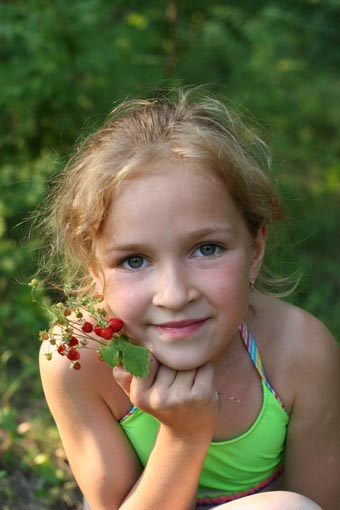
point(174, 288)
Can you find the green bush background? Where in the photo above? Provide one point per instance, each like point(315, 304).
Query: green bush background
point(63, 67)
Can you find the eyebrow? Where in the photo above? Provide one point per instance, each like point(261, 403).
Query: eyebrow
point(202, 232)
point(191, 236)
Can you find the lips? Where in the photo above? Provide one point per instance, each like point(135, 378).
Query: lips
point(180, 324)
point(181, 329)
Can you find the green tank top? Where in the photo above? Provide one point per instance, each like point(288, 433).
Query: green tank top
point(236, 467)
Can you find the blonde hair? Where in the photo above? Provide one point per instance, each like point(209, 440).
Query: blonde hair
point(200, 130)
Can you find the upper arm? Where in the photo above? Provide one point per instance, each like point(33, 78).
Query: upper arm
point(312, 463)
point(101, 459)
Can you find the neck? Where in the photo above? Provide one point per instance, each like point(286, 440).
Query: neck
point(227, 360)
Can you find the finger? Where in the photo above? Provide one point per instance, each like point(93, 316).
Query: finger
point(204, 378)
point(165, 377)
point(123, 378)
point(160, 394)
point(184, 379)
point(205, 372)
point(153, 369)
point(138, 385)
point(171, 388)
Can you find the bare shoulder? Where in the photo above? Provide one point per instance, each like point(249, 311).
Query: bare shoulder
point(58, 367)
point(293, 331)
point(94, 381)
point(296, 347)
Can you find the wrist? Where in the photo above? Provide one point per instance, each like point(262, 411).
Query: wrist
point(186, 439)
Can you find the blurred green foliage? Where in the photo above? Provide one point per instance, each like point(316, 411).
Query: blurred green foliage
point(63, 67)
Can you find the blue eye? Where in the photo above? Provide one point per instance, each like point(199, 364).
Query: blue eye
point(207, 250)
point(134, 262)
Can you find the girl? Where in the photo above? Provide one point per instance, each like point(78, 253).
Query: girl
point(165, 212)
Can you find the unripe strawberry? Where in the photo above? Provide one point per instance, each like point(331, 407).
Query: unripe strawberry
point(87, 327)
point(73, 341)
point(73, 355)
point(116, 324)
point(105, 333)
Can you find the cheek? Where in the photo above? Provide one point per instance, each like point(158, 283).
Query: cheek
point(229, 287)
point(231, 276)
point(125, 301)
point(230, 293)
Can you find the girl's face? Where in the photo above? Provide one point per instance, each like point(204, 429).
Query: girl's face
point(176, 260)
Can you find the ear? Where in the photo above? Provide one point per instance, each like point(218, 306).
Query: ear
point(258, 250)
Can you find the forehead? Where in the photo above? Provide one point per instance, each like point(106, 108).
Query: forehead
point(173, 191)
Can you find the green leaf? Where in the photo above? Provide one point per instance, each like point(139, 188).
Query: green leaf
point(110, 354)
point(135, 359)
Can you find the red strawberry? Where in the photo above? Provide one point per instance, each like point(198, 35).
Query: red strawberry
point(87, 327)
point(97, 329)
point(73, 341)
point(73, 355)
point(116, 324)
point(61, 349)
point(105, 333)
point(76, 365)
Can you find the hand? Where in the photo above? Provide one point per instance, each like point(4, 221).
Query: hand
point(185, 401)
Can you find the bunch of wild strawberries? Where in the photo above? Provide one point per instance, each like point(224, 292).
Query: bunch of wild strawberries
point(69, 331)
point(77, 321)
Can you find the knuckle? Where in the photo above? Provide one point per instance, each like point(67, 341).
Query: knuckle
point(159, 400)
point(121, 375)
point(138, 398)
point(204, 394)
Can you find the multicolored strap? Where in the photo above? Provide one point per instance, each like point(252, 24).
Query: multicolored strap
point(206, 501)
point(132, 410)
point(255, 356)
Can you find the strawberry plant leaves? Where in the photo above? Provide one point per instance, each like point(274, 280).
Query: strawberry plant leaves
point(135, 359)
point(110, 354)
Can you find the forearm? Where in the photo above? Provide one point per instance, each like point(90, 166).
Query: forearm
point(171, 476)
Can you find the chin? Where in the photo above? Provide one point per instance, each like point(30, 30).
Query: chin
point(180, 364)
